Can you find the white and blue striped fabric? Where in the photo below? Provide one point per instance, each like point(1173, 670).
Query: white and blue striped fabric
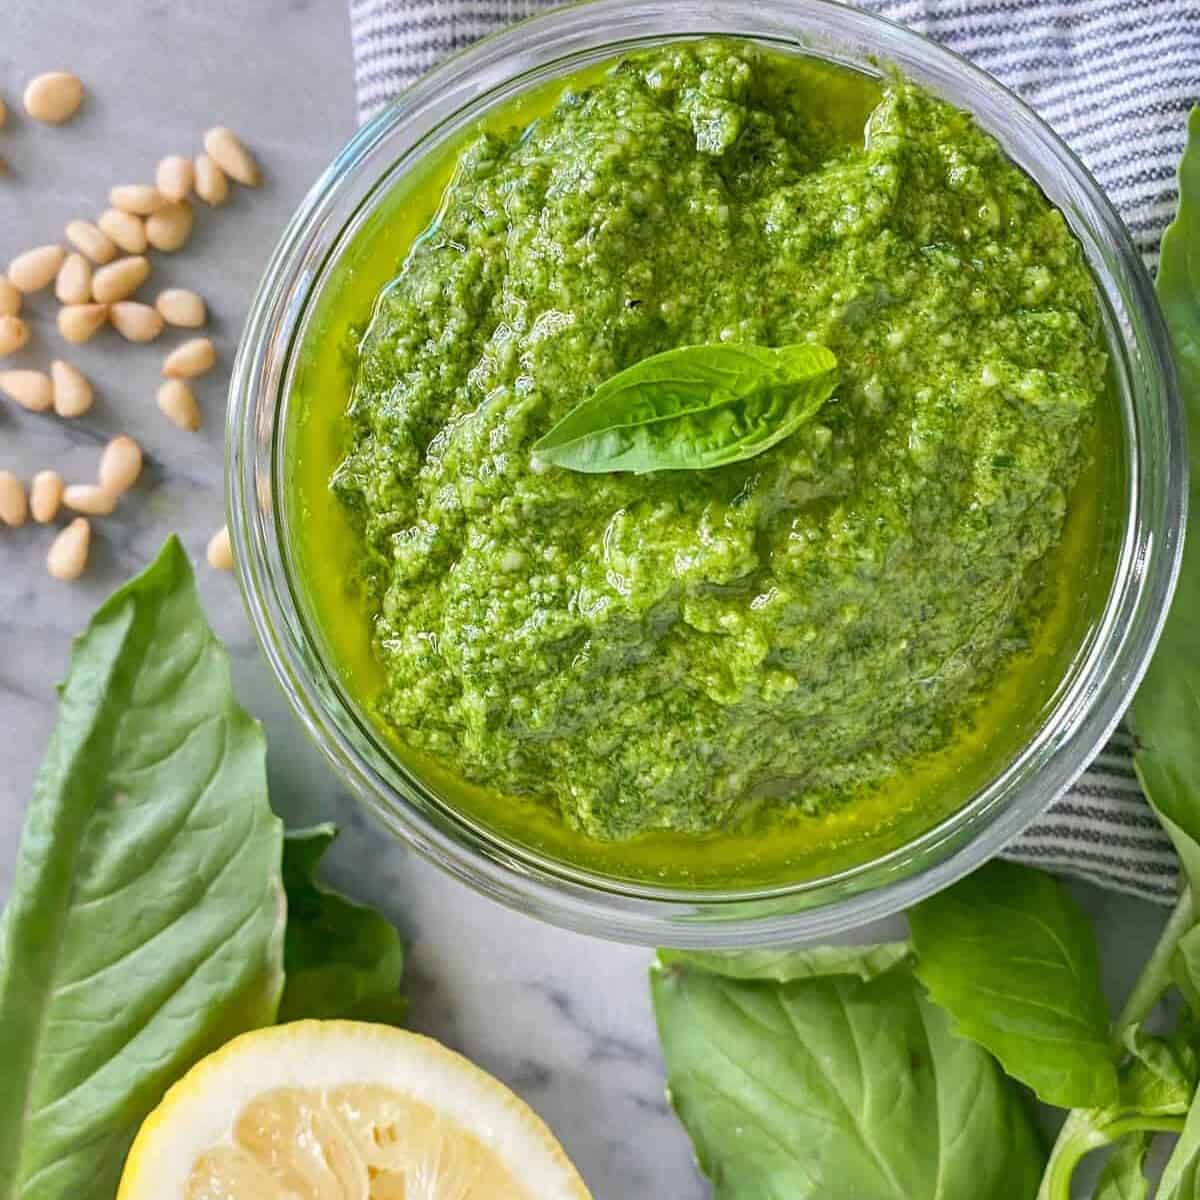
point(1116, 79)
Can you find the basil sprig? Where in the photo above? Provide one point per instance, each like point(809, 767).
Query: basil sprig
point(693, 408)
point(823, 1071)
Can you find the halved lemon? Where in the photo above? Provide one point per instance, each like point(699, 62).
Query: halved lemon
point(343, 1110)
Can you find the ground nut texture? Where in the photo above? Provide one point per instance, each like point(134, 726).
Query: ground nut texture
point(663, 651)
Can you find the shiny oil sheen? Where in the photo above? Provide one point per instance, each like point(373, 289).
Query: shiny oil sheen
point(754, 673)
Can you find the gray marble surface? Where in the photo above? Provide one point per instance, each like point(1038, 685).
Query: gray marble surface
point(562, 1018)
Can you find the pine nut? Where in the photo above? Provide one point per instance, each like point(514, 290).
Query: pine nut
point(45, 495)
point(74, 283)
point(13, 506)
point(220, 552)
point(89, 498)
point(211, 184)
point(14, 333)
point(181, 308)
point(120, 465)
point(73, 394)
point(136, 322)
point(30, 389)
point(120, 279)
point(177, 402)
point(128, 231)
point(194, 357)
point(174, 177)
point(91, 241)
point(226, 150)
point(138, 198)
point(170, 227)
point(10, 298)
point(79, 322)
point(54, 97)
point(33, 270)
point(69, 551)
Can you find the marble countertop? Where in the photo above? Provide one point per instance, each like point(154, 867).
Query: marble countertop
point(564, 1019)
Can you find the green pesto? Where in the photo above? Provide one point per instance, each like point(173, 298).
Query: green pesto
point(666, 651)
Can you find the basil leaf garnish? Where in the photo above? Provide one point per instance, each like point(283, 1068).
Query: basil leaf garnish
point(693, 408)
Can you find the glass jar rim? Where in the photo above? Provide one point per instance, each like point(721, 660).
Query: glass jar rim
point(1086, 712)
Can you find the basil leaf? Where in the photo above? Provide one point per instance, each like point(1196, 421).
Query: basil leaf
point(1157, 1086)
point(783, 966)
point(1160, 1078)
point(145, 924)
point(1124, 1175)
point(1166, 710)
point(342, 959)
point(693, 408)
point(834, 1087)
point(1013, 960)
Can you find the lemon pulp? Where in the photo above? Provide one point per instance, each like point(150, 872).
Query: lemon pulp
point(349, 1143)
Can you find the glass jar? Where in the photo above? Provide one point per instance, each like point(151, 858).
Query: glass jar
point(1086, 706)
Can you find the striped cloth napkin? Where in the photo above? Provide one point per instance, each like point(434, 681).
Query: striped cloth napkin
point(1116, 79)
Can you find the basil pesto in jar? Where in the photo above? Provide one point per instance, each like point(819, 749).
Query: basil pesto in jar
point(748, 661)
